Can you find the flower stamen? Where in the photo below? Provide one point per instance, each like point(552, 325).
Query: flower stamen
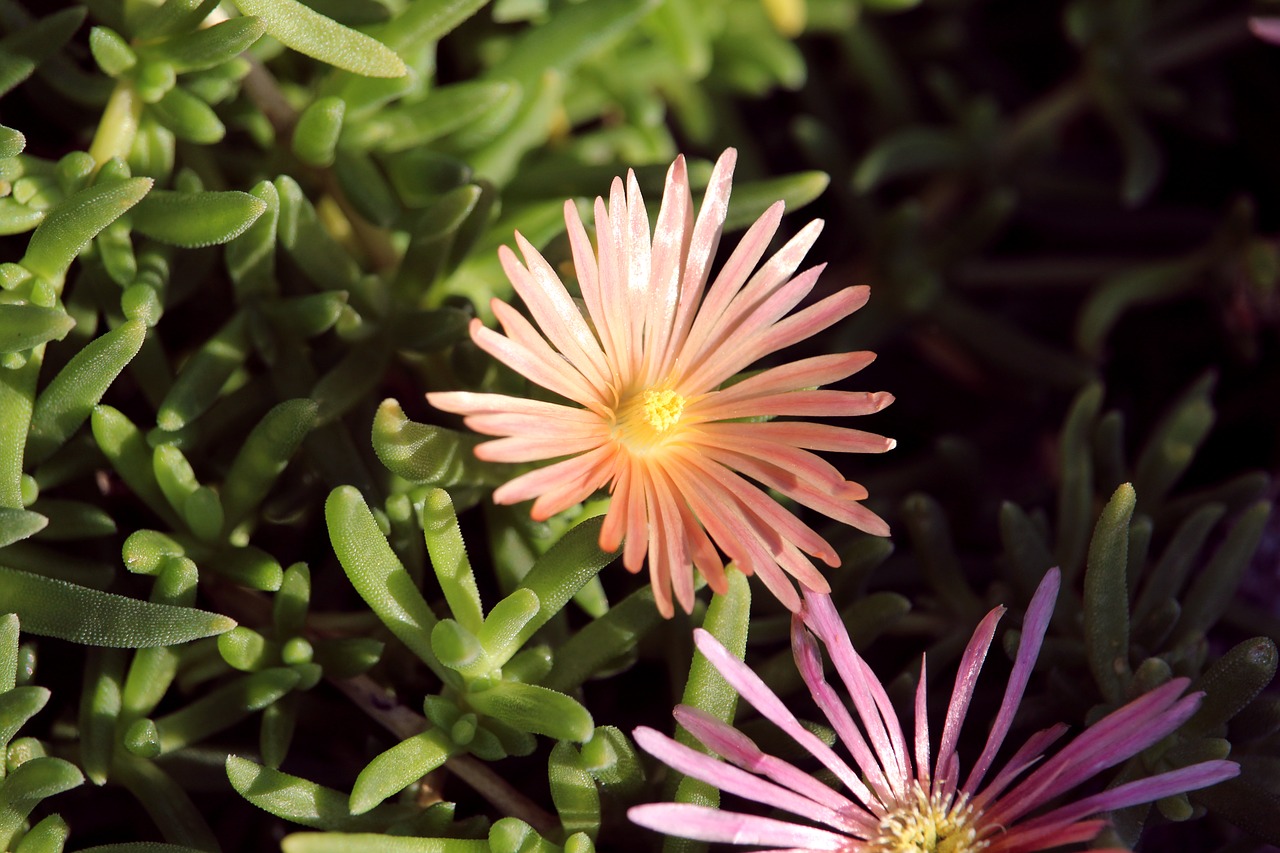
point(941, 823)
point(663, 409)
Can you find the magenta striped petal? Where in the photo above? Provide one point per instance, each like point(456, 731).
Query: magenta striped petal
point(703, 824)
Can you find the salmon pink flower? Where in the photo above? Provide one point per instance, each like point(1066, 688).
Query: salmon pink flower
point(899, 801)
point(649, 410)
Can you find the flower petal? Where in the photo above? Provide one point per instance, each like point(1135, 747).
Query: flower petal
point(705, 824)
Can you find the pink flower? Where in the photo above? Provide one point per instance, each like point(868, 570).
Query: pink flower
point(648, 413)
point(899, 801)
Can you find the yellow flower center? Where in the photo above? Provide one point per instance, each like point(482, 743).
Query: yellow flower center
point(646, 419)
point(662, 409)
point(929, 824)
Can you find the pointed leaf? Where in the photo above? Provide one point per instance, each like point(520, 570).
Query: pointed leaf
point(23, 327)
point(55, 608)
point(308, 32)
point(68, 227)
point(377, 574)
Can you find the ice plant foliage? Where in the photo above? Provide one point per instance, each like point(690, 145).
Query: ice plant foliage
point(648, 414)
point(899, 801)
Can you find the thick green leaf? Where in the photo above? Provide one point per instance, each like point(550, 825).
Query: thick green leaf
point(570, 36)
point(27, 785)
point(1106, 596)
point(69, 226)
point(190, 119)
point(209, 46)
point(449, 559)
point(428, 454)
point(70, 398)
point(12, 142)
point(17, 705)
point(573, 790)
point(532, 708)
point(301, 801)
point(264, 454)
point(398, 768)
point(307, 31)
point(377, 574)
point(341, 842)
point(909, 152)
point(558, 574)
point(32, 44)
point(23, 327)
point(198, 219)
point(706, 689)
point(441, 112)
point(315, 136)
point(19, 524)
point(55, 608)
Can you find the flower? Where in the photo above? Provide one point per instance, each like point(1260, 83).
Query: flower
point(649, 414)
point(901, 803)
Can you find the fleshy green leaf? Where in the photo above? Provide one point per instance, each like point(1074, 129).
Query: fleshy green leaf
point(428, 454)
point(209, 46)
point(69, 399)
point(569, 37)
point(69, 226)
point(377, 574)
point(399, 767)
point(55, 608)
point(19, 524)
point(308, 32)
point(1106, 596)
point(25, 326)
point(315, 136)
point(300, 800)
point(198, 219)
point(533, 708)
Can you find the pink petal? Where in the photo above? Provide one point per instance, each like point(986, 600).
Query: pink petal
point(793, 376)
point(868, 694)
point(1048, 839)
point(1117, 736)
point(705, 824)
point(1267, 29)
point(830, 404)
point(588, 271)
point(671, 237)
point(533, 359)
point(962, 692)
point(810, 321)
point(1033, 629)
point(1146, 790)
point(922, 727)
point(679, 531)
point(771, 518)
point(702, 248)
point(534, 448)
point(639, 253)
point(574, 483)
point(555, 313)
point(764, 700)
point(804, 649)
point(668, 558)
point(735, 747)
point(1030, 753)
point(535, 483)
point(538, 426)
point(804, 434)
point(732, 779)
point(731, 278)
point(472, 403)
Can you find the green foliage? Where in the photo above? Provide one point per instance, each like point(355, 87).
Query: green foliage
point(241, 240)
